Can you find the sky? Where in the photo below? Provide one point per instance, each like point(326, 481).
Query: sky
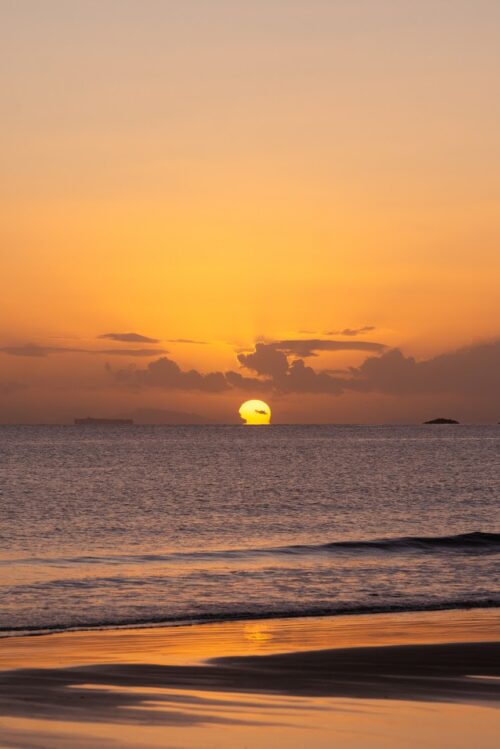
point(293, 201)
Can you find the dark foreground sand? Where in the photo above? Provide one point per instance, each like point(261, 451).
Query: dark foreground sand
point(168, 685)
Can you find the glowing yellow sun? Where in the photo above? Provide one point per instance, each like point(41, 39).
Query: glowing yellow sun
point(255, 412)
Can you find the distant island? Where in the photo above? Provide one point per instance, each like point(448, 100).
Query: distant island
point(442, 421)
point(106, 422)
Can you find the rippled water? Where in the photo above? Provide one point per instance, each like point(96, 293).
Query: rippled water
point(112, 525)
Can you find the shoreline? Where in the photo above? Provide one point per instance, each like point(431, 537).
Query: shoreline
point(242, 681)
point(459, 673)
point(201, 621)
point(195, 643)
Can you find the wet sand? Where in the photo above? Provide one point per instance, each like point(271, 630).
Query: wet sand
point(382, 680)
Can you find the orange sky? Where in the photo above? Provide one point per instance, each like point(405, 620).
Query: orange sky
point(232, 172)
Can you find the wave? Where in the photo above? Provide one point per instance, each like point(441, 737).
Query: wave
point(248, 615)
point(477, 541)
point(460, 542)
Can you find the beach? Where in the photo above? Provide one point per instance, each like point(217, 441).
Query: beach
point(249, 356)
point(223, 588)
point(429, 679)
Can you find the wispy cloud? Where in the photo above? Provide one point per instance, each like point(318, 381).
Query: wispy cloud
point(36, 351)
point(145, 352)
point(352, 331)
point(187, 340)
point(349, 332)
point(129, 338)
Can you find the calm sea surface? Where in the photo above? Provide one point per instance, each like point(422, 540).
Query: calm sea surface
point(105, 526)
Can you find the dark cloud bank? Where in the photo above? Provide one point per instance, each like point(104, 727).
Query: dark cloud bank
point(165, 373)
point(280, 367)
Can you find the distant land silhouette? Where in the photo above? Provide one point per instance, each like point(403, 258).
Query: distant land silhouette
point(90, 420)
point(146, 416)
point(441, 420)
point(163, 416)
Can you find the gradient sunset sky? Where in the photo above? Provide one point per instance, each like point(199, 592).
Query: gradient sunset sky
point(207, 201)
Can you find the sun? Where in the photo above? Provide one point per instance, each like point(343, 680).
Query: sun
point(255, 412)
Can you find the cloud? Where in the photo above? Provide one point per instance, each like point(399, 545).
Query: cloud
point(303, 379)
point(129, 338)
point(251, 384)
point(352, 331)
point(146, 352)
point(36, 351)
point(271, 358)
point(309, 347)
point(297, 378)
point(187, 340)
point(470, 371)
point(265, 360)
point(268, 360)
point(165, 373)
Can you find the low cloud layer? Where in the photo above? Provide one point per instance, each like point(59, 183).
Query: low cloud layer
point(348, 332)
point(352, 331)
point(129, 338)
point(140, 352)
point(284, 367)
point(271, 357)
point(471, 371)
point(165, 373)
point(187, 340)
point(36, 351)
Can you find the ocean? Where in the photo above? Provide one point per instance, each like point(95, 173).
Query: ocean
point(117, 526)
